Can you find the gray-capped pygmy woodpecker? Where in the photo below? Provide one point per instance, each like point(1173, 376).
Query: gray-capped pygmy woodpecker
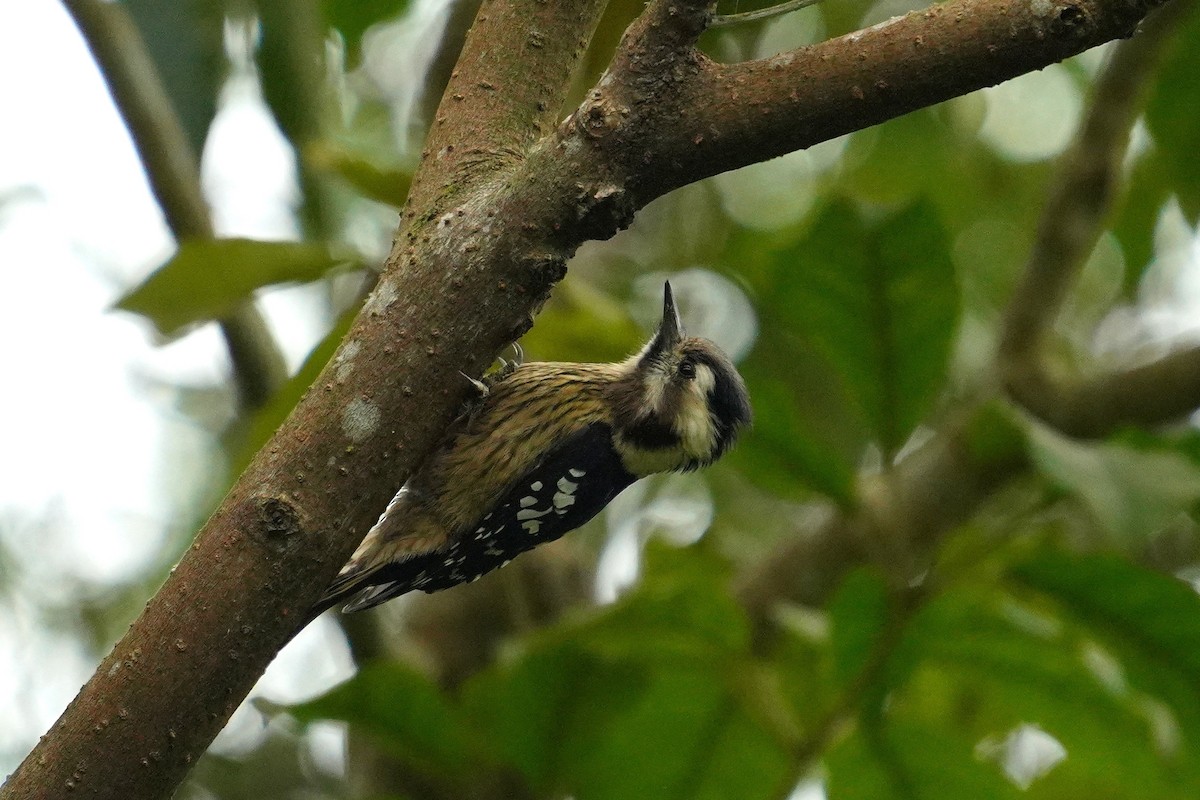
point(544, 450)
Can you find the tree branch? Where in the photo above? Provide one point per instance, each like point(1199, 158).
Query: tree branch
point(499, 103)
point(902, 515)
point(493, 214)
point(1087, 181)
point(172, 170)
point(665, 115)
point(1084, 188)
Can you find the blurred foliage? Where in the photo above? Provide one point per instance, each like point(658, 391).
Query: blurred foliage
point(185, 41)
point(205, 280)
point(352, 18)
point(1174, 128)
point(1038, 656)
point(692, 716)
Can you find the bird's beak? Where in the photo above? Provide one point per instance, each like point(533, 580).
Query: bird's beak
point(670, 331)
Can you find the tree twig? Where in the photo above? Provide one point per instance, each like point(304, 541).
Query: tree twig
point(172, 170)
point(1082, 191)
point(727, 20)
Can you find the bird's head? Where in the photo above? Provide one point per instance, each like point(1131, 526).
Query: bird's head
point(685, 401)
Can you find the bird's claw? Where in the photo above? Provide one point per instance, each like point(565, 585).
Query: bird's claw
point(480, 386)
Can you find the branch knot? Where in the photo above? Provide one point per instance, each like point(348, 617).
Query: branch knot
point(600, 116)
point(278, 520)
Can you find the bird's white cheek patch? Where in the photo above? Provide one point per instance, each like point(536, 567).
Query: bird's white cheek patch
point(694, 422)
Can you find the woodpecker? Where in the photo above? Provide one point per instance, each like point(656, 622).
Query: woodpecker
point(541, 452)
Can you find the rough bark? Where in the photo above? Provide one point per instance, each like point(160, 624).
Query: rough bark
point(502, 198)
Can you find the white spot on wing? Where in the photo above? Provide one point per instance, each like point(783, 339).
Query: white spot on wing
point(531, 513)
point(532, 526)
point(567, 487)
point(561, 501)
point(528, 501)
point(536, 486)
point(576, 473)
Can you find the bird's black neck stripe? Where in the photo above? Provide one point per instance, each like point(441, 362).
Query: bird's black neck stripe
point(651, 434)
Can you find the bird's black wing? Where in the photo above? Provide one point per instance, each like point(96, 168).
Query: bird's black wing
point(566, 489)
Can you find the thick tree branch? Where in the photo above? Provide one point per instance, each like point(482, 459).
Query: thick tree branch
point(493, 214)
point(661, 127)
point(501, 100)
point(172, 170)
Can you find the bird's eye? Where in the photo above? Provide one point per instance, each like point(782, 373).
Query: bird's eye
point(687, 370)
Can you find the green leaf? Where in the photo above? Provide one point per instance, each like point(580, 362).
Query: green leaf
point(880, 302)
point(682, 605)
point(682, 737)
point(648, 699)
point(351, 18)
point(1140, 613)
point(291, 67)
point(1014, 664)
point(799, 439)
point(1171, 117)
point(1132, 493)
point(405, 713)
point(859, 615)
point(910, 760)
point(1134, 223)
point(185, 40)
point(384, 183)
point(1150, 623)
point(207, 279)
point(979, 664)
